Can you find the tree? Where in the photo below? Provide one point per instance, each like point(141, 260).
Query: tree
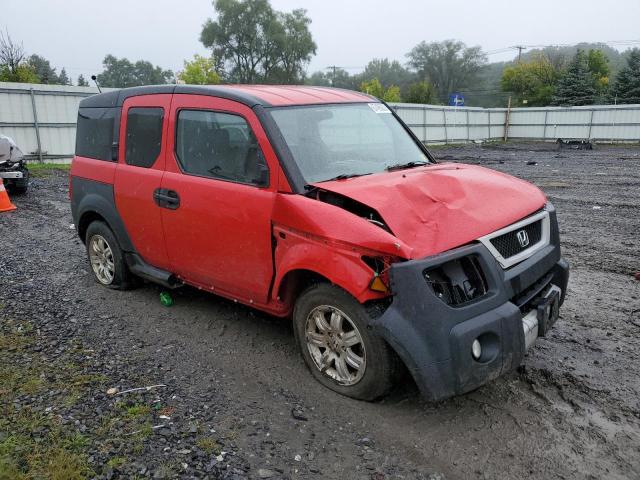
point(333, 77)
point(121, 73)
point(296, 47)
point(43, 69)
point(576, 86)
point(22, 73)
point(420, 92)
point(448, 65)
point(599, 67)
point(13, 68)
point(11, 53)
point(82, 82)
point(375, 88)
point(200, 71)
point(626, 88)
point(533, 82)
point(257, 43)
point(388, 72)
point(63, 79)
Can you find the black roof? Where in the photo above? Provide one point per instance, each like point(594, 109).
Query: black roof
point(116, 98)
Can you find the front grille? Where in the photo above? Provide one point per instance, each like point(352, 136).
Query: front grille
point(458, 281)
point(509, 245)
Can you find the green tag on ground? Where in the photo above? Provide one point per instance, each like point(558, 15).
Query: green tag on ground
point(165, 299)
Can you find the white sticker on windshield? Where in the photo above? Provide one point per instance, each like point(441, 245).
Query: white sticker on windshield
point(379, 108)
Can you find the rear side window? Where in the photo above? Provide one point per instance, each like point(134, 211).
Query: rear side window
point(219, 145)
point(144, 136)
point(95, 132)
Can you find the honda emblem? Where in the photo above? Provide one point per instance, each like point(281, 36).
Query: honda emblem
point(523, 238)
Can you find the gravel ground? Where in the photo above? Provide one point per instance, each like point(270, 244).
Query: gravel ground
point(235, 399)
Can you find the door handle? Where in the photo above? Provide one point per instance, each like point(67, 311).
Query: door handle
point(166, 198)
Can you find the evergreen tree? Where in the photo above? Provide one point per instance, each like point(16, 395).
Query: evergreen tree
point(576, 86)
point(626, 88)
point(63, 79)
point(43, 69)
point(82, 82)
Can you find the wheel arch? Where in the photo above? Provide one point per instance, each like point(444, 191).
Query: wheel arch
point(91, 201)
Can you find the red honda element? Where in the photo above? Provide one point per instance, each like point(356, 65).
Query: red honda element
point(320, 205)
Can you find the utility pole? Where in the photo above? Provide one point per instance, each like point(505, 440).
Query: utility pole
point(333, 76)
point(519, 48)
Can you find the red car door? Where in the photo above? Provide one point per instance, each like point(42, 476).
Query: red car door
point(217, 223)
point(141, 162)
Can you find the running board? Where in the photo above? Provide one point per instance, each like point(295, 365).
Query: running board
point(142, 269)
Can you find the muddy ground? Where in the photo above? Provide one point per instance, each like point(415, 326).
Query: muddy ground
point(238, 401)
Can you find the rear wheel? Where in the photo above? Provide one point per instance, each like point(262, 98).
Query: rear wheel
point(333, 332)
point(106, 257)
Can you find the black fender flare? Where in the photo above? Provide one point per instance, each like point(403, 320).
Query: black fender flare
point(92, 199)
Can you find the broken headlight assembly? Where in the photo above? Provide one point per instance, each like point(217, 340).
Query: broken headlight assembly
point(458, 281)
point(380, 266)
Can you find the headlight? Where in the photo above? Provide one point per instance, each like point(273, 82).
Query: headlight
point(457, 281)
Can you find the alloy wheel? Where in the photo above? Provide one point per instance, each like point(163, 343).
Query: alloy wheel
point(101, 257)
point(335, 345)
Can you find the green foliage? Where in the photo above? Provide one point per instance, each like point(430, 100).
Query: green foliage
point(257, 43)
point(23, 73)
point(200, 71)
point(600, 70)
point(375, 88)
point(420, 92)
point(43, 69)
point(626, 88)
point(209, 446)
point(296, 47)
point(82, 82)
point(533, 82)
point(448, 65)
point(121, 73)
point(388, 72)
point(560, 57)
point(337, 77)
point(63, 79)
point(576, 86)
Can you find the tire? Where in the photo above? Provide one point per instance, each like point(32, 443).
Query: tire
point(327, 363)
point(19, 185)
point(104, 251)
point(22, 185)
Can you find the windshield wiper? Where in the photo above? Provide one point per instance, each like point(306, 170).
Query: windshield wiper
point(400, 166)
point(344, 176)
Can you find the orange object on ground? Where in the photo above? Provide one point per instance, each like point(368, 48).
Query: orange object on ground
point(5, 202)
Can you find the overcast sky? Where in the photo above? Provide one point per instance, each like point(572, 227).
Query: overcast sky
point(77, 34)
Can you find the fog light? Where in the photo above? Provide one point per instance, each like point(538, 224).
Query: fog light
point(476, 349)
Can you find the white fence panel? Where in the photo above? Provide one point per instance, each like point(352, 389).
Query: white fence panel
point(463, 124)
point(56, 108)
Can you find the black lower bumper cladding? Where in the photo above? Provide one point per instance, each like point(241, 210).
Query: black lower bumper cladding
point(434, 339)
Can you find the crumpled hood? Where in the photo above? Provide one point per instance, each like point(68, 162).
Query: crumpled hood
point(440, 207)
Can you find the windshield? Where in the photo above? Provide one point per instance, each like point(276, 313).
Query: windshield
point(339, 141)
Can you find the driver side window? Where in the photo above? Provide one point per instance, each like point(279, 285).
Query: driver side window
point(219, 145)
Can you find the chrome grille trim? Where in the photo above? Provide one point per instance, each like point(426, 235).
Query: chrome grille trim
point(523, 255)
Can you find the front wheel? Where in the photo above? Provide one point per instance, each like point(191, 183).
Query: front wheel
point(333, 332)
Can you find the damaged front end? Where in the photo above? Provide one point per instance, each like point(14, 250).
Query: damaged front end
point(459, 319)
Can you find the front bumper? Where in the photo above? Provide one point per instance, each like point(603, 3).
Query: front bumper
point(11, 174)
point(434, 339)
